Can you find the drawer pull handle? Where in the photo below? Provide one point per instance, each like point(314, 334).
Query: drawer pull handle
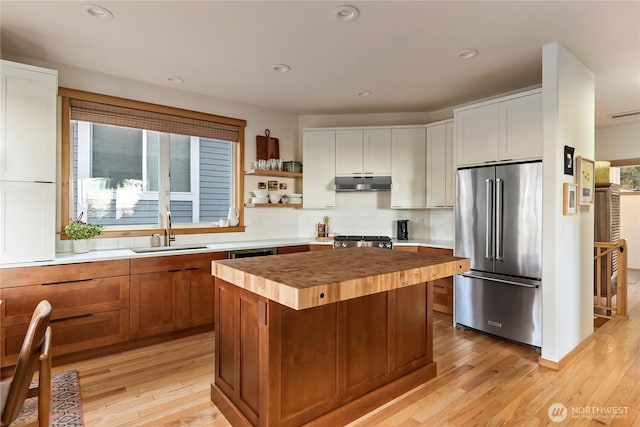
point(67, 282)
point(438, 286)
point(192, 268)
point(175, 271)
point(62, 319)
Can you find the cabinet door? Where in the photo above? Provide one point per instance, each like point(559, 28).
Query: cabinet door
point(28, 137)
point(319, 148)
point(521, 128)
point(377, 152)
point(477, 132)
point(436, 166)
point(197, 296)
point(450, 168)
point(27, 221)
point(408, 168)
point(156, 302)
point(440, 178)
point(348, 152)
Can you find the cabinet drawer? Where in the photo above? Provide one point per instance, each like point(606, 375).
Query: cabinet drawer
point(71, 335)
point(443, 295)
point(435, 251)
point(174, 262)
point(293, 249)
point(66, 298)
point(50, 274)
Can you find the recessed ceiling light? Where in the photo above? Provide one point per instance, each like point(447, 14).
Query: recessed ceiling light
point(346, 13)
point(363, 93)
point(175, 79)
point(281, 68)
point(97, 12)
point(467, 54)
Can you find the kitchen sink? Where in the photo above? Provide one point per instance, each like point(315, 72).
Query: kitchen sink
point(168, 248)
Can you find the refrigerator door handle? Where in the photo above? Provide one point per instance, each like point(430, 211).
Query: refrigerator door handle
point(488, 229)
point(493, 279)
point(499, 197)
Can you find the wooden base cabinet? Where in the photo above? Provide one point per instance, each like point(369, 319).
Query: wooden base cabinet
point(171, 293)
point(90, 305)
point(442, 288)
point(324, 365)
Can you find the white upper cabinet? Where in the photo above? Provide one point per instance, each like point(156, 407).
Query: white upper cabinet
point(408, 168)
point(506, 129)
point(521, 129)
point(348, 152)
point(28, 123)
point(377, 152)
point(319, 156)
point(440, 171)
point(363, 152)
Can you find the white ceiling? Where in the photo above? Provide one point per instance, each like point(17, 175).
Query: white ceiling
point(403, 52)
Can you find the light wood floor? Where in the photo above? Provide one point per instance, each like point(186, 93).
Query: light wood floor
point(481, 381)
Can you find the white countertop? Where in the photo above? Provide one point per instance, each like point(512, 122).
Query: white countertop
point(108, 255)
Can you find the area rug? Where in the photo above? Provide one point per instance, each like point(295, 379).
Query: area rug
point(66, 403)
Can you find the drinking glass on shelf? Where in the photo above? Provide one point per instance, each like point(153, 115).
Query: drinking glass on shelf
point(279, 162)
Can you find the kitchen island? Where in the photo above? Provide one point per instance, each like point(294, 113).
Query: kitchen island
point(322, 337)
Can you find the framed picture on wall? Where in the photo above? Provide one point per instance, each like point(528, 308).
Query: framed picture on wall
point(569, 199)
point(586, 180)
point(568, 160)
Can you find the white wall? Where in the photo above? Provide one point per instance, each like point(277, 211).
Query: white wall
point(618, 142)
point(567, 278)
point(629, 230)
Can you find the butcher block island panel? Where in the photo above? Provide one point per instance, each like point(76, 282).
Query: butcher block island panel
point(310, 279)
point(320, 338)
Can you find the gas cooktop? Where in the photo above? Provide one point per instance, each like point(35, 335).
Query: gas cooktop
point(360, 241)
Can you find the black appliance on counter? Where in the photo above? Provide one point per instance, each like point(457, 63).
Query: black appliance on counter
point(403, 229)
point(340, 242)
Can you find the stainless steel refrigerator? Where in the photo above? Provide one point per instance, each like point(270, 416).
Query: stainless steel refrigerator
point(499, 227)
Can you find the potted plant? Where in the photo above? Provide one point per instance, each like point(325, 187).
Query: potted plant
point(81, 232)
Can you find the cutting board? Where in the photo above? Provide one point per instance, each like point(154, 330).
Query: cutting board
point(267, 147)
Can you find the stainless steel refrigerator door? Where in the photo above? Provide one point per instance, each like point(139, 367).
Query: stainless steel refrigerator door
point(475, 216)
point(518, 235)
point(506, 310)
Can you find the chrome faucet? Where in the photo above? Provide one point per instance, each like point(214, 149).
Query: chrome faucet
point(169, 236)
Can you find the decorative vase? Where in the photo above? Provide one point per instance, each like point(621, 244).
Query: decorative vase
point(234, 217)
point(81, 246)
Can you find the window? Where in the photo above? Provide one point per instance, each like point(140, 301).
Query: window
point(127, 167)
point(627, 174)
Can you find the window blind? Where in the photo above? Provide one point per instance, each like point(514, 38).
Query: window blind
point(97, 112)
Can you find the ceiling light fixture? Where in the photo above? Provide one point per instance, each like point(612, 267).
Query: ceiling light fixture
point(346, 13)
point(281, 68)
point(97, 12)
point(363, 93)
point(467, 54)
point(175, 79)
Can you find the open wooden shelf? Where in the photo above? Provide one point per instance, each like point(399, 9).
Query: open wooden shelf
point(278, 174)
point(273, 205)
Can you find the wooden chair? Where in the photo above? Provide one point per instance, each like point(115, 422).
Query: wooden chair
point(34, 351)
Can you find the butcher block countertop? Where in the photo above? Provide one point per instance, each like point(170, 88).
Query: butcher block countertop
point(310, 279)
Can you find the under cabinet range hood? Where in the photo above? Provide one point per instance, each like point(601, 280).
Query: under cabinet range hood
point(362, 183)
